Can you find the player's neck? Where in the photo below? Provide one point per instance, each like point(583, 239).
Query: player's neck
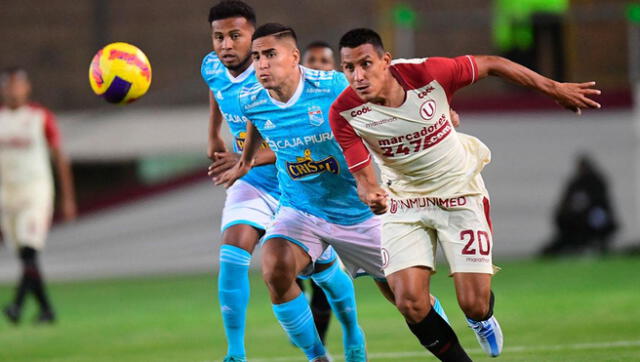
point(15, 105)
point(235, 72)
point(288, 88)
point(392, 94)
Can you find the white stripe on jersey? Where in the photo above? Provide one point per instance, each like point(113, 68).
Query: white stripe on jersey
point(473, 68)
point(408, 61)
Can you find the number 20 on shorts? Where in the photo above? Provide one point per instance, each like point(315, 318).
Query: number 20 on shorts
point(483, 242)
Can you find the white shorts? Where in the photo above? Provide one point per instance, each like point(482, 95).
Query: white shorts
point(412, 228)
point(358, 246)
point(248, 205)
point(26, 216)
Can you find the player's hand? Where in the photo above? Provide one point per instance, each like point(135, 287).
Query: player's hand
point(575, 96)
point(215, 145)
point(69, 210)
point(222, 161)
point(377, 202)
point(375, 198)
point(230, 176)
point(455, 118)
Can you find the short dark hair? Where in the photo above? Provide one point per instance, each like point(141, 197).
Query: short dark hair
point(318, 44)
point(356, 37)
point(278, 30)
point(231, 9)
point(12, 70)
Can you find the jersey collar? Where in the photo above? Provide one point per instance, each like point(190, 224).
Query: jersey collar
point(296, 94)
point(242, 76)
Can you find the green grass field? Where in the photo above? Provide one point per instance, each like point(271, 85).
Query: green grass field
point(566, 310)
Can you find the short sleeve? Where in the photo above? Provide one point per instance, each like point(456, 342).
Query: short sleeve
point(340, 83)
point(353, 148)
point(51, 129)
point(209, 68)
point(453, 73)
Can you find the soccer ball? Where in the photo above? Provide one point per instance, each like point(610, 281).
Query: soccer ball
point(120, 73)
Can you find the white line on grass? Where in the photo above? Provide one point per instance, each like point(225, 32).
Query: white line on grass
point(514, 349)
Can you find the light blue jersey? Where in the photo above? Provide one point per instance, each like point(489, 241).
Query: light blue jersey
point(226, 90)
point(312, 172)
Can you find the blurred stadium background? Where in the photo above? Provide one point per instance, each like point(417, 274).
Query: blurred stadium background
point(147, 207)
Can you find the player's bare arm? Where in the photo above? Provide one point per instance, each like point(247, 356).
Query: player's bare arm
point(572, 96)
point(370, 191)
point(65, 179)
point(217, 150)
point(246, 161)
point(224, 161)
point(216, 142)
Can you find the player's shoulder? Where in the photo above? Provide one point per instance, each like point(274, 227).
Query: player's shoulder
point(415, 71)
point(211, 65)
point(323, 78)
point(39, 108)
point(347, 100)
point(251, 95)
point(318, 75)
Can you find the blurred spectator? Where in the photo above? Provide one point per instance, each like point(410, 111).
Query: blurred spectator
point(584, 218)
point(531, 32)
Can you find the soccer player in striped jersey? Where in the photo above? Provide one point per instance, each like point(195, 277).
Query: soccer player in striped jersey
point(398, 110)
point(252, 201)
point(319, 205)
point(29, 138)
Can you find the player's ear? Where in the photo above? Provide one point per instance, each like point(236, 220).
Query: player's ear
point(386, 57)
point(296, 55)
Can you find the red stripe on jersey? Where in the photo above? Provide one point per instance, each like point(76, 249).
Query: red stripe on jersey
point(353, 148)
point(51, 131)
point(487, 212)
point(451, 73)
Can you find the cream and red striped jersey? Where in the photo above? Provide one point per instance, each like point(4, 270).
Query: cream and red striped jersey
point(415, 145)
point(26, 133)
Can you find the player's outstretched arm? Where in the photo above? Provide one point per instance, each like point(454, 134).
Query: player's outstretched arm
point(370, 191)
point(572, 96)
point(246, 161)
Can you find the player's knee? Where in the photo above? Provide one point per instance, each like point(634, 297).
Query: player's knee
point(475, 307)
point(413, 308)
point(278, 274)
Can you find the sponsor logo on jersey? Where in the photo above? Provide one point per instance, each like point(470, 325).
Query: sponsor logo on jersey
point(428, 109)
point(417, 141)
point(318, 90)
point(315, 115)
point(360, 111)
point(305, 166)
point(234, 118)
point(300, 141)
point(255, 104)
point(381, 122)
point(240, 141)
point(418, 202)
point(425, 92)
point(269, 125)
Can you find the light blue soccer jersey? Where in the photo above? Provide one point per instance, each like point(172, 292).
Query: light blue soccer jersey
point(312, 172)
point(226, 90)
